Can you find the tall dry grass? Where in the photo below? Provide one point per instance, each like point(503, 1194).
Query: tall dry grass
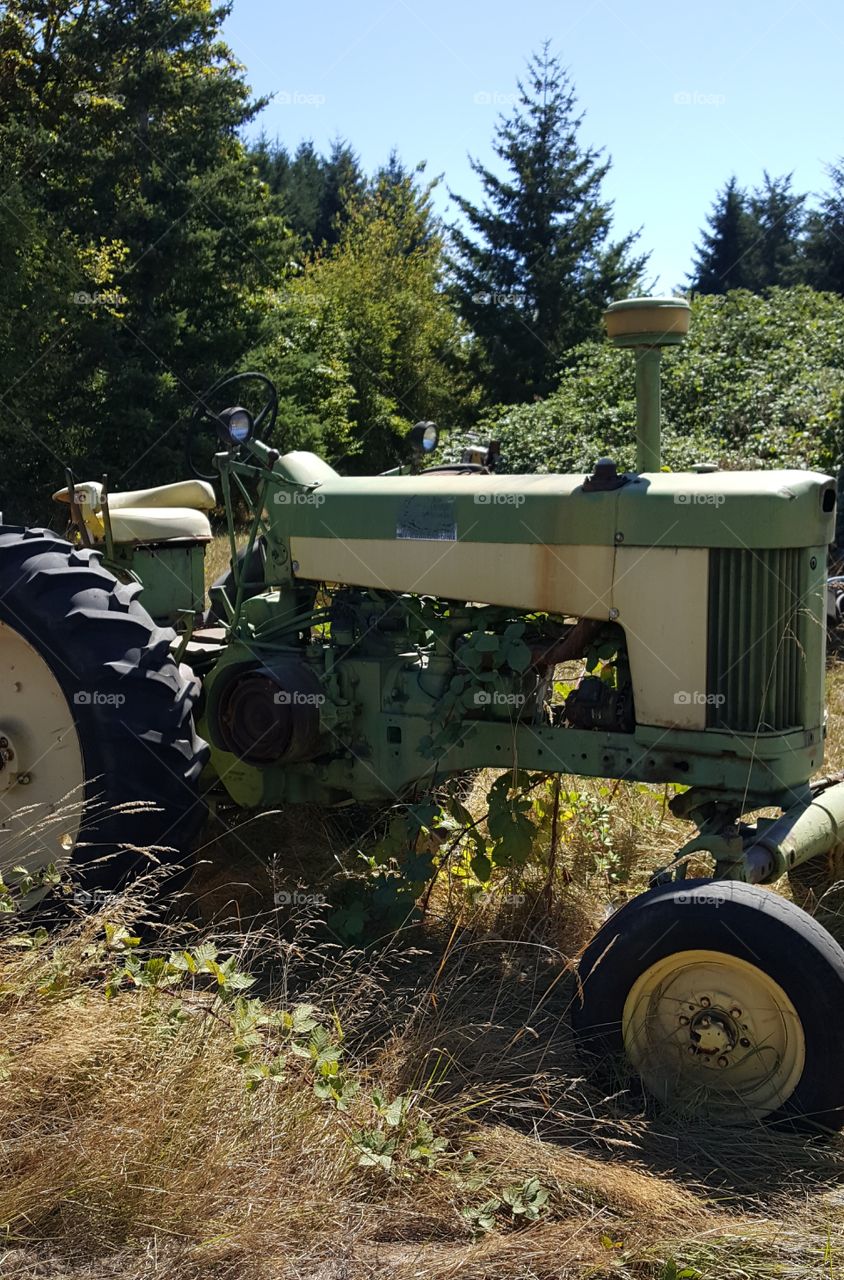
point(132, 1143)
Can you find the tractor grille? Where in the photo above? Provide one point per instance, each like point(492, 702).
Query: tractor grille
point(757, 624)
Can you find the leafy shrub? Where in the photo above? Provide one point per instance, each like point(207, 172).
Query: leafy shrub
point(758, 383)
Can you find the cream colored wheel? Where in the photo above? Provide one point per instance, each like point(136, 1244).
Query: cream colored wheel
point(42, 777)
point(714, 1033)
point(727, 1002)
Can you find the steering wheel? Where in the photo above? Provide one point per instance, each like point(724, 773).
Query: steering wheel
point(234, 426)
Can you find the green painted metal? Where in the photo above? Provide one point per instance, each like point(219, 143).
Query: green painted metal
point(172, 574)
point(803, 832)
point(648, 409)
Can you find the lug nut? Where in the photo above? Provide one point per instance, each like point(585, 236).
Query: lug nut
point(704, 1022)
point(684, 1022)
point(705, 1002)
point(723, 1062)
point(735, 1012)
point(691, 1049)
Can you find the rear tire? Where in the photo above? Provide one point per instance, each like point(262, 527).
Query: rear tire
point(726, 1000)
point(119, 691)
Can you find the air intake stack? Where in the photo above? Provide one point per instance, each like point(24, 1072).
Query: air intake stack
point(647, 325)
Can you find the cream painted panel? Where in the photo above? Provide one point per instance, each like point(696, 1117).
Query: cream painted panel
point(661, 594)
point(571, 579)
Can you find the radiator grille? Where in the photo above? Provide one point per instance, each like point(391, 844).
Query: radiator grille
point(757, 627)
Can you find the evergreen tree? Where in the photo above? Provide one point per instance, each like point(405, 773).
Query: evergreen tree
point(343, 184)
point(122, 139)
point(536, 268)
point(777, 215)
point(823, 252)
point(724, 258)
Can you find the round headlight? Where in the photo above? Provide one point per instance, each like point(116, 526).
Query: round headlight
point(424, 437)
point(237, 424)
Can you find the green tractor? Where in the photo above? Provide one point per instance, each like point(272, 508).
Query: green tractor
point(375, 635)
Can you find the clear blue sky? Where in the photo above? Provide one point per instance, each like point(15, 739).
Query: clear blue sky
point(680, 94)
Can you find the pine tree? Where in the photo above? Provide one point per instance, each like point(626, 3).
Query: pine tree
point(535, 267)
point(724, 260)
point(777, 215)
point(823, 253)
point(343, 184)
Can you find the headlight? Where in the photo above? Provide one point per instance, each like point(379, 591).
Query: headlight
point(237, 425)
point(424, 437)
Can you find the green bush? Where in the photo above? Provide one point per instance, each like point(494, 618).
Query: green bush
point(759, 383)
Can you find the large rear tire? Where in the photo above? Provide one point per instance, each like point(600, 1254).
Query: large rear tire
point(101, 760)
point(725, 999)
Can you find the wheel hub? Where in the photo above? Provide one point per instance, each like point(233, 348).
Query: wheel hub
point(712, 1033)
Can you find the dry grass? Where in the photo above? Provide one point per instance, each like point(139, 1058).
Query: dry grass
point(130, 1145)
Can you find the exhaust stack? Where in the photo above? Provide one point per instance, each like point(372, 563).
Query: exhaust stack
point(647, 325)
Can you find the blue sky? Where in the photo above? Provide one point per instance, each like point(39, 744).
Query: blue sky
point(680, 95)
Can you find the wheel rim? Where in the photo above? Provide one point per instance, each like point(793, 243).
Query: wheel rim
point(714, 1035)
point(42, 775)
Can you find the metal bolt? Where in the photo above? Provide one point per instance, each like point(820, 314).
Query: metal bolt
point(723, 1062)
point(684, 1022)
point(613, 614)
point(705, 1002)
point(619, 537)
point(4, 742)
point(295, 566)
point(735, 1012)
point(24, 779)
point(704, 1022)
point(691, 1049)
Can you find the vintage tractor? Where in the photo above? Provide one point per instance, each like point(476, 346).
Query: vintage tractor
point(375, 635)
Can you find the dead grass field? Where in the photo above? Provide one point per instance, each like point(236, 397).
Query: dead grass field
point(132, 1145)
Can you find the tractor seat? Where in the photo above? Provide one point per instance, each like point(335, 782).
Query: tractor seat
point(160, 514)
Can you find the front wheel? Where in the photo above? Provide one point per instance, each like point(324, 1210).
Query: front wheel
point(725, 999)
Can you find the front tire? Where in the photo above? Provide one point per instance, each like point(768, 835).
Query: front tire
point(103, 761)
point(725, 999)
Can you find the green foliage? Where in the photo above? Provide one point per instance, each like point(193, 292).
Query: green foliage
point(316, 193)
point(520, 1202)
point(363, 342)
point(753, 240)
point(536, 268)
point(138, 243)
point(759, 383)
point(823, 250)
